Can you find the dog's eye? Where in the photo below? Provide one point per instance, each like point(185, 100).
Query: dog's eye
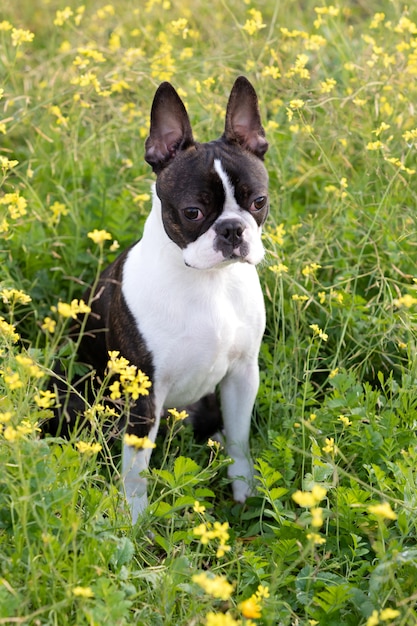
point(258, 204)
point(193, 214)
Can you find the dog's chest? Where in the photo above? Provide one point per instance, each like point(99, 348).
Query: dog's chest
point(197, 326)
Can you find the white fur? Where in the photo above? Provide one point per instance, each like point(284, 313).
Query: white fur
point(203, 328)
point(201, 254)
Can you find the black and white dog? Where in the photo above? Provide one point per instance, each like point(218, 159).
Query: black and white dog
point(184, 304)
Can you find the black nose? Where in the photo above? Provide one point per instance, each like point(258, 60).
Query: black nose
point(230, 232)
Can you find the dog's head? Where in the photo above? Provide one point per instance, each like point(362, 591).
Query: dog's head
point(214, 195)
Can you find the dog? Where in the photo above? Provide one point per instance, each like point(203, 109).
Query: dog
point(184, 303)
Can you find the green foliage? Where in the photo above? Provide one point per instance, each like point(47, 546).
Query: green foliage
point(331, 531)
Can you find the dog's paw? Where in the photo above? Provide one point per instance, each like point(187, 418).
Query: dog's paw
point(242, 474)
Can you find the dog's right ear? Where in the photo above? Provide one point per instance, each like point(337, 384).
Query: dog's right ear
point(170, 129)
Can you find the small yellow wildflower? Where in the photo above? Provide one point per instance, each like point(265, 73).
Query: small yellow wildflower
point(5, 26)
point(317, 539)
point(277, 235)
point(216, 586)
point(83, 592)
point(299, 297)
point(407, 301)
point(62, 16)
point(310, 269)
point(382, 511)
point(296, 104)
point(221, 619)
point(88, 448)
point(48, 325)
point(373, 619)
point(99, 236)
point(374, 145)
point(45, 399)
point(71, 310)
point(318, 332)
point(19, 36)
point(7, 164)
point(251, 608)
point(326, 86)
point(388, 614)
point(12, 379)
point(334, 373)
point(8, 331)
point(279, 269)
point(138, 442)
point(330, 447)
point(15, 296)
point(10, 434)
point(198, 508)
point(5, 417)
point(309, 499)
point(345, 420)
point(254, 23)
point(178, 415)
point(316, 516)
point(26, 427)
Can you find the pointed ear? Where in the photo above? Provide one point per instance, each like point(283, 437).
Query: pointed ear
point(243, 120)
point(170, 128)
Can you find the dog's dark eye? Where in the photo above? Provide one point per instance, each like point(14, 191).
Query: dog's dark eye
point(193, 214)
point(258, 204)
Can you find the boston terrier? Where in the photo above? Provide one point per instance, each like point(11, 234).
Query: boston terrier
point(184, 304)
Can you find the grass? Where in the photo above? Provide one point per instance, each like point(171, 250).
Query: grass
point(330, 536)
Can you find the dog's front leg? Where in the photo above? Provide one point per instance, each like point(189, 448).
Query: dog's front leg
point(238, 392)
point(134, 462)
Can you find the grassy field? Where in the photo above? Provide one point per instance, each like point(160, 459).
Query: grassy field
point(330, 538)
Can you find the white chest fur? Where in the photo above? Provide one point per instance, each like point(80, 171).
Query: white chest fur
point(196, 323)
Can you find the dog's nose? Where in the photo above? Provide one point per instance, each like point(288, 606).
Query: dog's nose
point(230, 232)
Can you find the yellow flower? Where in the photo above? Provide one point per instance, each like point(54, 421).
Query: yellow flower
point(254, 23)
point(309, 499)
point(62, 16)
point(316, 517)
point(216, 586)
point(407, 301)
point(83, 592)
point(99, 236)
point(138, 442)
point(373, 619)
point(178, 415)
point(279, 269)
point(15, 296)
point(374, 145)
point(345, 420)
point(48, 325)
point(316, 538)
point(330, 447)
point(19, 35)
point(88, 448)
point(310, 269)
point(198, 508)
point(45, 399)
point(10, 434)
point(383, 511)
point(12, 379)
point(299, 297)
point(297, 103)
point(318, 332)
point(5, 417)
point(250, 608)
point(71, 310)
point(386, 615)
point(8, 331)
point(221, 619)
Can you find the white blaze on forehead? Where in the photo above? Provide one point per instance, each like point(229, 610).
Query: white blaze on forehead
point(229, 190)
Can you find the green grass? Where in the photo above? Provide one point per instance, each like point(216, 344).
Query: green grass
point(337, 405)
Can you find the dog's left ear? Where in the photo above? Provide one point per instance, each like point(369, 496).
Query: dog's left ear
point(170, 128)
point(243, 119)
